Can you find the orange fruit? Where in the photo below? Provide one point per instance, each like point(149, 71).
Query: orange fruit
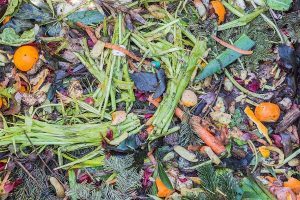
point(26, 57)
point(267, 112)
point(1, 102)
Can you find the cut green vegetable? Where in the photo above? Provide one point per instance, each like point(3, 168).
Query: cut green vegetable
point(226, 58)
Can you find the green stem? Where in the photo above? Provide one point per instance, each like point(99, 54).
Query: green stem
point(266, 96)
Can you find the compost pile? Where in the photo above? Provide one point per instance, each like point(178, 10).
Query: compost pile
point(149, 99)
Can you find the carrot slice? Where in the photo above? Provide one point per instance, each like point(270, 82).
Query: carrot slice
point(163, 191)
point(294, 184)
point(219, 10)
point(262, 129)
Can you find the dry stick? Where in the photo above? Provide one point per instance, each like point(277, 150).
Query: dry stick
point(232, 47)
point(27, 172)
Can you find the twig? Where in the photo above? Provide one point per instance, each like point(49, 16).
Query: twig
point(27, 172)
point(44, 163)
point(232, 47)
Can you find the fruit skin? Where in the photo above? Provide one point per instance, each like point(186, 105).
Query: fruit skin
point(267, 112)
point(26, 57)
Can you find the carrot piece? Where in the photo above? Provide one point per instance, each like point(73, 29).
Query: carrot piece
point(149, 129)
point(294, 184)
point(178, 112)
point(163, 191)
point(219, 10)
point(262, 129)
point(206, 136)
point(6, 20)
point(232, 47)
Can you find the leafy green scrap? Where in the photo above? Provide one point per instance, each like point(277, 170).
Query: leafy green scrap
point(11, 38)
point(282, 5)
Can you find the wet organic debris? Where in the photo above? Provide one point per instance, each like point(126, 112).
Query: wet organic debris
point(149, 99)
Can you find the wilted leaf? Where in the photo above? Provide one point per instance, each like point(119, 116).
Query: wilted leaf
point(161, 76)
point(86, 17)
point(30, 12)
point(287, 56)
point(287, 144)
point(10, 38)
point(149, 82)
point(156, 11)
point(221, 117)
point(144, 81)
point(281, 5)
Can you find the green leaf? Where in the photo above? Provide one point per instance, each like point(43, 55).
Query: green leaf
point(9, 37)
point(252, 190)
point(86, 17)
point(242, 21)
point(282, 5)
point(226, 57)
point(164, 177)
point(11, 8)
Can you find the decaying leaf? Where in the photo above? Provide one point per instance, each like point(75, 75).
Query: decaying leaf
point(39, 80)
point(75, 89)
point(34, 99)
point(221, 117)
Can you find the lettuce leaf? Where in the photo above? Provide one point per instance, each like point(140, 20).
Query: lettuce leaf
point(11, 38)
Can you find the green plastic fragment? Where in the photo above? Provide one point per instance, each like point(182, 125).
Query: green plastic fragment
point(225, 58)
point(155, 64)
